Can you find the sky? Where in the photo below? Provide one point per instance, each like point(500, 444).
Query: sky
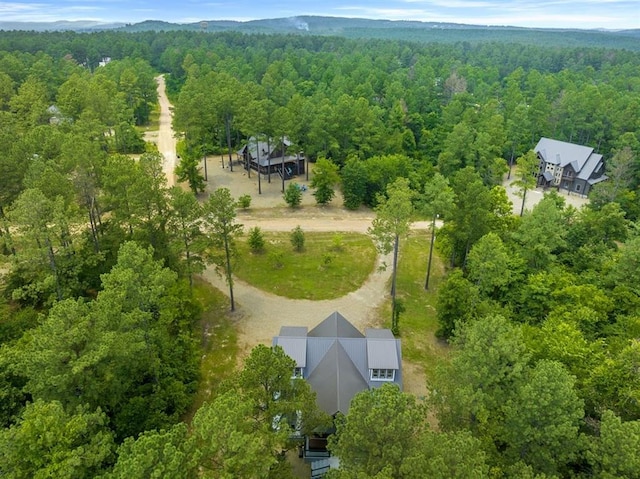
point(610, 14)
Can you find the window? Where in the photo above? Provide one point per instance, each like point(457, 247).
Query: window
point(578, 187)
point(297, 373)
point(383, 374)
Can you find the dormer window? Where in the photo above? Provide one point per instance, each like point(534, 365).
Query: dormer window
point(383, 374)
point(298, 373)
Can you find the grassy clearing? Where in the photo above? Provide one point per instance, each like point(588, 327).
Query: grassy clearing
point(219, 344)
point(306, 275)
point(418, 323)
point(154, 121)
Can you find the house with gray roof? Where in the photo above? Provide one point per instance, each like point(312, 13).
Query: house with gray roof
point(339, 361)
point(567, 166)
point(270, 156)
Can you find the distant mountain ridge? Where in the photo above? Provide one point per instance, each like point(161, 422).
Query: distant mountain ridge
point(63, 25)
point(365, 28)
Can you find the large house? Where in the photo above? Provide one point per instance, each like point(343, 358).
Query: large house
point(271, 156)
point(567, 166)
point(339, 361)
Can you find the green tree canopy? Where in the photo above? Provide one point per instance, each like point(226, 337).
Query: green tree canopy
point(49, 442)
point(325, 178)
point(379, 433)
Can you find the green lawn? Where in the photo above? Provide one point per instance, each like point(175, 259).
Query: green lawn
point(219, 344)
point(154, 121)
point(418, 323)
point(305, 274)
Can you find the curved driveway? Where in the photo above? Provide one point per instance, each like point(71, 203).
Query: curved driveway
point(259, 314)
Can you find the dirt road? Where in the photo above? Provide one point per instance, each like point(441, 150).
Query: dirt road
point(166, 140)
point(259, 315)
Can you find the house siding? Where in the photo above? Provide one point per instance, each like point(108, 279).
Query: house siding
point(572, 166)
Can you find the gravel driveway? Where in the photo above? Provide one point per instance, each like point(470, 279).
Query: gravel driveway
point(259, 315)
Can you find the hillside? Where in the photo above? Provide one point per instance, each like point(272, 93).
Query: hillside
point(424, 32)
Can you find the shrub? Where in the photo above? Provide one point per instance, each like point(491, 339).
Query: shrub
point(297, 238)
point(244, 201)
point(256, 240)
point(337, 242)
point(293, 195)
point(277, 259)
point(327, 259)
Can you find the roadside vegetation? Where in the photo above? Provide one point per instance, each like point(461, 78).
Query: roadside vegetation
point(418, 322)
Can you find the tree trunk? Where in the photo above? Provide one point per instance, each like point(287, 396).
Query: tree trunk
point(228, 127)
point(204, 161)
point(188, 253)
point(54, 268)
point(229, 278)
point(259, 172)
point(524, 197)
point(433, 237)
point(282, 167)
point(393, 276)
point(94, 228)
point(513, 149)
point(6, 233)
point(269, 160)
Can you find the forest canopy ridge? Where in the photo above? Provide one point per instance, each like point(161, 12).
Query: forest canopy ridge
point(416, 31)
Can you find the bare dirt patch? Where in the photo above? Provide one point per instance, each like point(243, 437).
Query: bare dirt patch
point(535, 195)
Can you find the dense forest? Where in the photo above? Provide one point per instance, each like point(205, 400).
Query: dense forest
point(99, 355)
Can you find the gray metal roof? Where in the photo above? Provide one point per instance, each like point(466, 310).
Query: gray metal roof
point(336, 380)
point(595, 181)
point(562, 153)
point(299, 331)
point(337, 358)
point(335, 326)
point(296, 348)
point(584, 161)
point(590, 166)
point(378, 333)
point(316, 350)
point(382, 354)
